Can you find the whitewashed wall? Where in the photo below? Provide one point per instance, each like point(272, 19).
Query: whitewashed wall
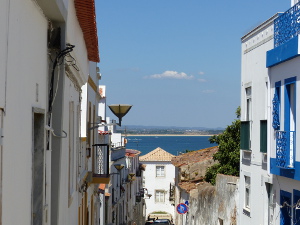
point(153, 183)
point(254, 163)
point(23, 79)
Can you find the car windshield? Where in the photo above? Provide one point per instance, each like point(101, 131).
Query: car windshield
point(161, 222)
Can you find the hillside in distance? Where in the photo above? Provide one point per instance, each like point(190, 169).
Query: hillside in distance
point(165, 130)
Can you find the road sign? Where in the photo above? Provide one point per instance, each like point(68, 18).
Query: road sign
point(182, 208)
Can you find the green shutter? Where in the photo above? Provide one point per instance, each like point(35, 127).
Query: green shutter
point(245, 135)
point(263, 136)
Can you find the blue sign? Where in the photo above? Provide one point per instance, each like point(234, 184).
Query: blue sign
point(182, 208)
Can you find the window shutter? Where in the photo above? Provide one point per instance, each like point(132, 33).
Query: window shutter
point(245, 135)
point(263, 136)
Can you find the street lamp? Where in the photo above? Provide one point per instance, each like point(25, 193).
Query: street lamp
point(120, 111)
point(119, 166)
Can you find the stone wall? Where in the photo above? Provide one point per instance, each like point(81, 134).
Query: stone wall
point(214, 205)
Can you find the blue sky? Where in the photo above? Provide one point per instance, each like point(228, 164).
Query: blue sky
point(177, 62)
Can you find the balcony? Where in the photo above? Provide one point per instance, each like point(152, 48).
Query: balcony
point(100, 164)
point(286, 37)
point(285, 146)
point(287, 25)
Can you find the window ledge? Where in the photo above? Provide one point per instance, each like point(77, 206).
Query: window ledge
point(264, 157)
point(247, 154)
point(248, 151)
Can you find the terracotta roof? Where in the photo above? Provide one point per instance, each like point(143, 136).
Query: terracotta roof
point(157, 154)
point(194, 156)
point(190, 185)
point(132, 152)
point(85, 11)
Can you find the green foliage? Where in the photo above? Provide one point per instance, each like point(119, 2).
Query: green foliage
point(228, 156)
point(186, 151)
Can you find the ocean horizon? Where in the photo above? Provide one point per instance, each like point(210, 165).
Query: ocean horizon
point(174, 144)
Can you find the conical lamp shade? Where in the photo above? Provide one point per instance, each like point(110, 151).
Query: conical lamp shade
point(120, 110)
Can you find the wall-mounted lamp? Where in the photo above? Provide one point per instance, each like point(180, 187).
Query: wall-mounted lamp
point(148, 195)
point(144, 192)
point(120, 111)
point(119, 166)
point(83, 187)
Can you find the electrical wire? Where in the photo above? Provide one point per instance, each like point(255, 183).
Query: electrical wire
point(52, 95)
point(58, 57)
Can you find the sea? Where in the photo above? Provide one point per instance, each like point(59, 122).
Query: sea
point(172, 144)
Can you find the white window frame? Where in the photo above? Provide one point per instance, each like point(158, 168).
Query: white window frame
point(247, 203)
point(160, 196)
point(160, 171)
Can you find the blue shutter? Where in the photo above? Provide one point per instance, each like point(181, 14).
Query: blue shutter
point(276, 107)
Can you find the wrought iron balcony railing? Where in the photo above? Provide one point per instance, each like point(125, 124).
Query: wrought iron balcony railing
point(285, 146)
point(287, 25)
point(100, 164)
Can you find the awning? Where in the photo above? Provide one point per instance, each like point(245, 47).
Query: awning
point(101, 188)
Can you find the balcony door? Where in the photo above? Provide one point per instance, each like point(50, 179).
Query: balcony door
point(290, 115)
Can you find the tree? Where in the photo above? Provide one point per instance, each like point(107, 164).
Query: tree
point(228, 155)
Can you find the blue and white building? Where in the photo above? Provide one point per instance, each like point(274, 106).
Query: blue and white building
point(270, 155)
point(284, 74)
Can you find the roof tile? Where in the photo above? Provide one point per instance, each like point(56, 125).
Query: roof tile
point(157, 154)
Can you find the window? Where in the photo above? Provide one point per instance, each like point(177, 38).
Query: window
point(159, 196)
point(285, 135)
point(285, 209)
point(160, 171)
point(289, 207)
point(296, 201)
point(263, 136)
point(248, 103)
point(269, 204)
point(290, 104)
point(245, 125)
point(247, 192)
point(245, 135)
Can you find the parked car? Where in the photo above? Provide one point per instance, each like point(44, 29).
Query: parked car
point(149, 222)
point(162, 222)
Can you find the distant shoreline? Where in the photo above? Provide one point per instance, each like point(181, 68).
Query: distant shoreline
point(204, 135)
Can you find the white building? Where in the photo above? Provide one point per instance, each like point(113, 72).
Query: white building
point(93, 158)
point(125, 203)
point(255, 181)
point(270, 180)
point(46, 47)
point(158, 176)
